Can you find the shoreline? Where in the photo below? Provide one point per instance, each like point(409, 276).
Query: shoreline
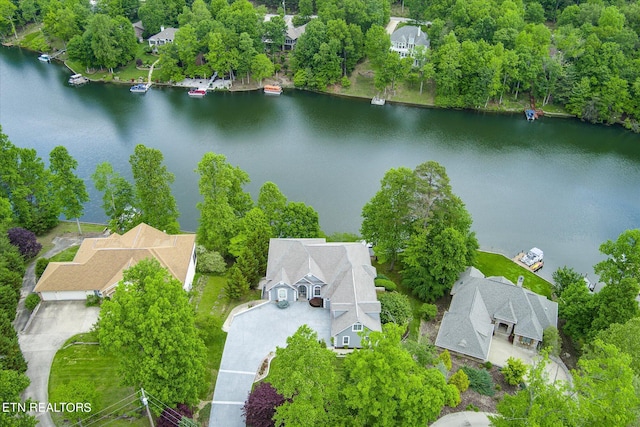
point(288, 84)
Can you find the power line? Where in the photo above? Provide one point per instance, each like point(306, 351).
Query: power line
point(80, 423)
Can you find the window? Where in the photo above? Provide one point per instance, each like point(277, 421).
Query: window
point(356, 327)
point(526, 341)
point(195, 256)
point(316, 291)
point(282, 294)
point(345, 341)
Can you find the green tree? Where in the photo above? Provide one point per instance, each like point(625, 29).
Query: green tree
point(7, 16)
point(626, 337)
point(551, 341)
point(224, 201)
point(274, 32)
point(460, 380)
point(387, 217)
point(384, 385)
point(153, 192)
point(304, 373)
point(261, 67)
point(563, 277)
point(577, 307)
point(152, 15)
point(272, 202)
point(395, 307)
point(514, 371)
point(376, 45)
point(118, 200)
point(433, 261)
point(298, 221)
point(149, 327)
point(615, 304)
point(237, 284)
point(605, 388)
point(12, 384)
point(542, 403)
point(69, 187)
point(623, 258)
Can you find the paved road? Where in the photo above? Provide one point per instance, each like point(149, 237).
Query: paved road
point(252, 335)
point(54, 323)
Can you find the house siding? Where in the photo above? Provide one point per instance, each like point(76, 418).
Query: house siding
point(354, 339)
point(273, 293)
point(191, 271)
point(65, 295)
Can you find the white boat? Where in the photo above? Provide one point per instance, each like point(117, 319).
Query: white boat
point(78, 79)
point(44, 58)
point(377, 101)
point(140, 88)
point(533, 256)
point(272, 90)
point(197, 93)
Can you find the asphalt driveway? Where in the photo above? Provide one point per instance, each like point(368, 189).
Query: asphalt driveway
point(54, 323)
point(252, 336)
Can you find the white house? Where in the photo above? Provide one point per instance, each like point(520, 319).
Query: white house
point(166, 35)
point(98, 266)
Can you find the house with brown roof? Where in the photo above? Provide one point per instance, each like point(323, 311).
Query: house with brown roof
point(99, 264)
point(340, 275)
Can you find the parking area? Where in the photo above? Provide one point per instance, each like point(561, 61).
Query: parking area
point(252, 335)
point(52, 325)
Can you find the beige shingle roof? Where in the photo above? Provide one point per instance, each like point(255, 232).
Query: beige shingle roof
point(100, 262)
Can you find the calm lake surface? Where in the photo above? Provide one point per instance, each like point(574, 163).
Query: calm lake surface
point(561, 185)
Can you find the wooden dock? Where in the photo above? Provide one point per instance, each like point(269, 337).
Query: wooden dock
point(517, 259)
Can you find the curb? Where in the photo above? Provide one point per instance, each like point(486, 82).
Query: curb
point(31, 317)
point(241, 309)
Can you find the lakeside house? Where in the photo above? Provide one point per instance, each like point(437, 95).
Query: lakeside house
point(138, 29)
point(486, 307)
point(166, 35)
point(337, 275)
point(404, 41)
point(100, 262)
point(292, 33)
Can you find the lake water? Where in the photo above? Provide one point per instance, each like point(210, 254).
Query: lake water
point(558, 184)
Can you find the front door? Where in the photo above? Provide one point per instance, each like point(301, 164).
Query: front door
point(302, 291)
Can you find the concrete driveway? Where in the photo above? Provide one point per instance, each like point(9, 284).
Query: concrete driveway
point(252, 335)
point(501, 350)
point(53, 324)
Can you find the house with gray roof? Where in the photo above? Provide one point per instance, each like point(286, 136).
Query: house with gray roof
point(292, 33)
point(166, 35)
point(338, 274)
point(405, 39)
point(484, 307)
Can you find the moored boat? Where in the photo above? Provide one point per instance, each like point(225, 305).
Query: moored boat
point(44, 58)
point(272, 89)
point(140, 88)
point(377, 101)
point(78, 79)
point(197, 93)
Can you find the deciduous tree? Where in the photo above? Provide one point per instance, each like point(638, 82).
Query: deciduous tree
point(153, 189)
point(118, 200)
point(148, 326)
point(69, 187)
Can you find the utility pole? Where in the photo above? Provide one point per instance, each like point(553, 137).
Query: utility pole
point(145, 402)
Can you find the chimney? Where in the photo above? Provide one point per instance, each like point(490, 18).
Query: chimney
point(520, 281)
point(419, 30)
point(161, 28)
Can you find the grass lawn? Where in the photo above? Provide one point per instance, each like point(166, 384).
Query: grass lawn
point(83, 362)
point(66, 229)
point(491, 264)
point(65, 256)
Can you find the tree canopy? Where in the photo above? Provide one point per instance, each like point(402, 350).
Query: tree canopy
point(148, 326)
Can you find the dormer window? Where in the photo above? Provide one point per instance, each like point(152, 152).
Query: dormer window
point(357, 327)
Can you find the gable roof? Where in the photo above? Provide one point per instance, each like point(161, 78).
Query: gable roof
point(100, 262)
point(165, 34)
point(410, 33)
point(473, 295)
point(344, 267)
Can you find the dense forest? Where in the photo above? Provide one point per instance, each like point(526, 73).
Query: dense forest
point(581, 57)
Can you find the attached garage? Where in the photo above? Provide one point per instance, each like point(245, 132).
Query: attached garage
point(64, 295)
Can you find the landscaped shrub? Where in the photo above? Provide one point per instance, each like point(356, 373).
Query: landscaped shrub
point(41, 265)
point(551, 341)
point(452, 396)
point(210, 261)
point(445, 357)
point(345, 82)
point(387, 284)
point(93, 301)
point(480, 380)
point(460, 380)
point(472, 407)
point(428, 311)
point(487, 365)
point(9, 299)
point(515, 371)
point(25, 241)
point(32, 301)
point(422, 351)
point(260, 406)
point(395, 308)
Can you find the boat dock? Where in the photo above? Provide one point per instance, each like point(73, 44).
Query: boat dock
point(533, 268)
